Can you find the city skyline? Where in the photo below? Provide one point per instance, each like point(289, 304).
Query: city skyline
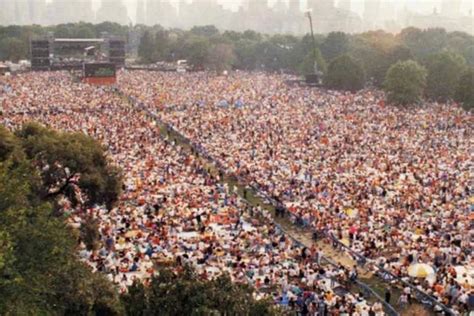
point(357, 6)
point(280, 16)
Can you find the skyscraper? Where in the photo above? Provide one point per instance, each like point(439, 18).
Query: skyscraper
point(161, 12)
point(152, 10)
point(258, 6)
point(371, 12)
point(321, 7)
point(113, 11)
point(37, 11)
point(294, 6)
point(7, 12)
point(140, 14)
point(345, 5)
point(84, 10)
point(451, 8)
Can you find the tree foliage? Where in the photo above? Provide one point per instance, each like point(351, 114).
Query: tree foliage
point(335, 44)
point(307, 65)
point(405, 82)
point(220, 57)
point(465, 90)
point(444, 71)
point(70, 160)
point(344, 73)
point(13, 49)
point(186, 294)
point(39, 272)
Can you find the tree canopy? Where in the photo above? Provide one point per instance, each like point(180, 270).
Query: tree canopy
point(39, 272)
point(405, 82)
point(66, 160)
point(185, 294)
point(444, 71)
point(465, 90)
point(344, 73)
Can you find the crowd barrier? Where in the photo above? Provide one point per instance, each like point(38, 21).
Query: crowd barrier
point(420, 295)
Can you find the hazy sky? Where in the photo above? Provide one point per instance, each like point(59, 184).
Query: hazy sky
point(421, 6)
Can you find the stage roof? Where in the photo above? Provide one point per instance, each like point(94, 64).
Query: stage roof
point(79, 40)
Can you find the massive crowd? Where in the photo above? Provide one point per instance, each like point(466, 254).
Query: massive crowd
point(393, 184)
point(172, 212)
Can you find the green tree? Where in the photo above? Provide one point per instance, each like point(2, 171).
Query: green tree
point(307, 65)
point(335, 44)
point(220, 57)
point(186, 294)
point(13, 49)
point(69, 159)
point(39, 272)
point(146, 47)
point(197, 49)
point(344, 73)
point(444, 71)
point(465, 90)
point(405, 82)
point(246, 52)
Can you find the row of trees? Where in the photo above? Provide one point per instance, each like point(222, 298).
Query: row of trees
point(431, 63)
point(445, 77)
point(350, 62)
point(39, 270)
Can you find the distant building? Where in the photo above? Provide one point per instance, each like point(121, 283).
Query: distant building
point(345, 5)
point(294, 6)
point(140, 15)
point(451, 8)
point(464, 23)
point(113, 11)
point(372, 17)
point(328, 18)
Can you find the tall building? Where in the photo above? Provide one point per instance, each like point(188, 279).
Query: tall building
point(84, 10)
point(37, 11)
point(258, 5)
point(21, 14)
point(372, 13)
point(7, 12)
point(152, 10)
point(140, 14)
point(294, 6)
point(451, 8)
point(61, 11)
point(280, 7)
point(163, 12)
point(345, 5)
point(113, 11)
point(67, 11)
point(321, 7)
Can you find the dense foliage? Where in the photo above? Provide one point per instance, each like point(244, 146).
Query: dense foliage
point(66, 160)
point(465, 90)
point(405, 82)
point(444, 71)
point(186, 294)
point(375, 50)
point(39, 272)
point(344, 73)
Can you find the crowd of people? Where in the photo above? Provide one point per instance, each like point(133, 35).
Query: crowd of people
point(392, 184)
point(172, 211)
